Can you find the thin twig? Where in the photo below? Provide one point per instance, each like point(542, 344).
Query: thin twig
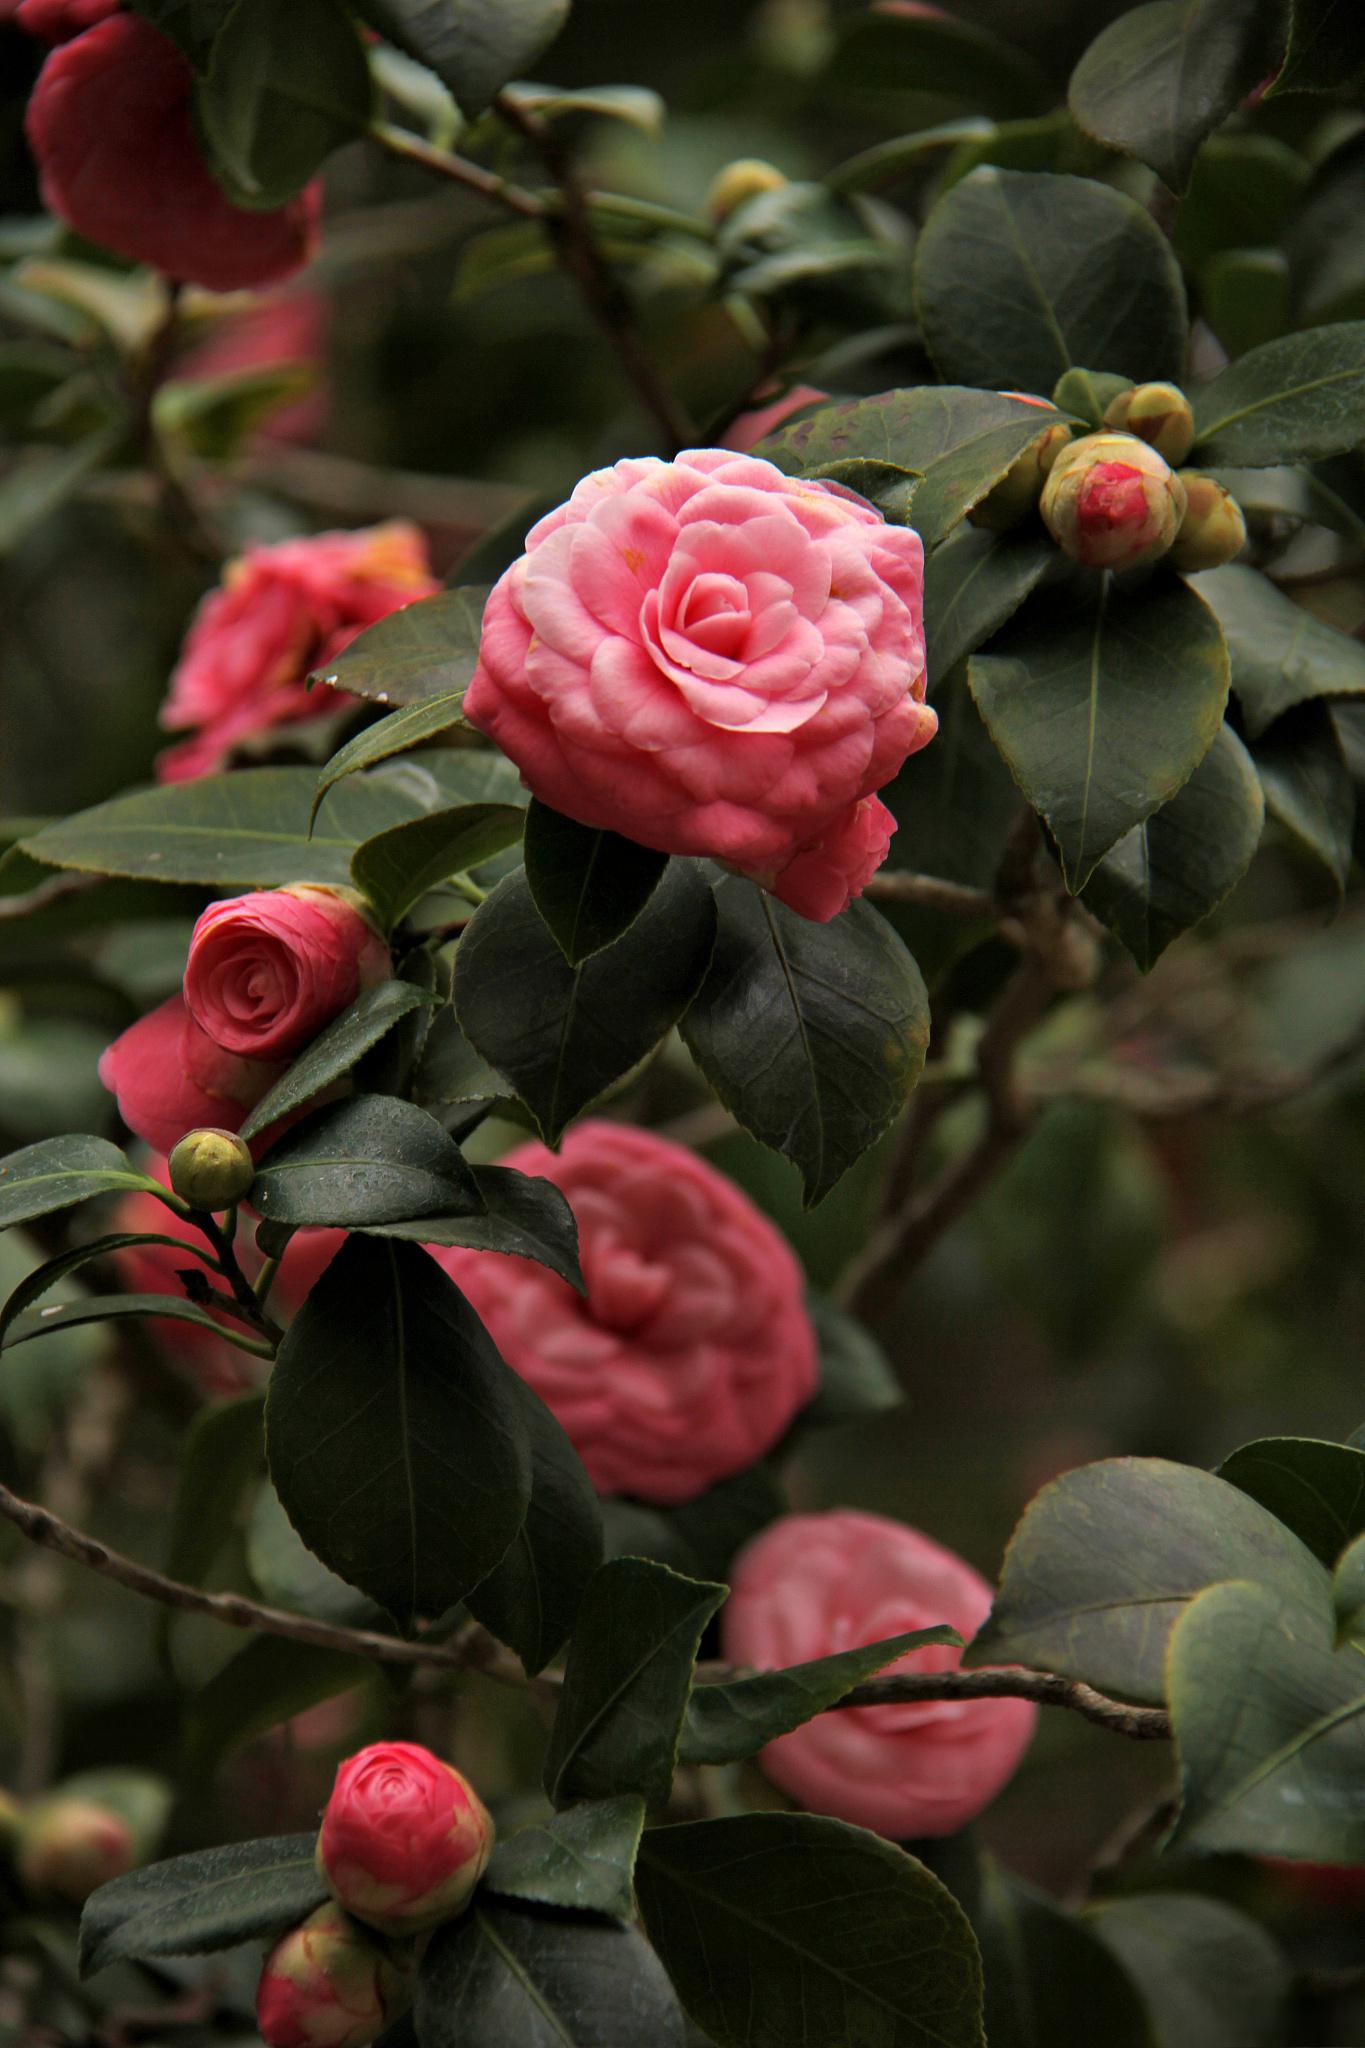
point(929, 892)
point(459, 170)
point(1044, 1688)
point(249, 1308)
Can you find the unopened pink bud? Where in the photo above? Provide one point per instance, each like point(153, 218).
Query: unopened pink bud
point(1111, 502)
point(1213, 530)
point(69, 1847)
point(327, 1984)
point(405, 1838)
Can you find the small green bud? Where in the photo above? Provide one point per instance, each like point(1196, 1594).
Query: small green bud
point(1016, 494)
point(1111, 502)
point(212, 1169)
point(1159, 415)
point(744, 179)
point(1213, 530)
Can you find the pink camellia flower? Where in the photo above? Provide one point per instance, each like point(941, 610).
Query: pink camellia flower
point(327, 1984)
point(57, 21)
point(710, 658)
point(282, 611)
point(748, 428)
point(811, 1585)
point(693, 1350)
point(171, 1077)
point(404, 1839)
point(269, 970)
point(69, 1847)
point(110, 124)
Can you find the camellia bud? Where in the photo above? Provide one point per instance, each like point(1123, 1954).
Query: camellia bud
point(69, 1847)
point(1213, 530)
point(741, 180)
point(212, 1169)
point(1159, 415)
point(328, 1984)
point(1111, 502)
point(1016, 494)
point(404, 1839)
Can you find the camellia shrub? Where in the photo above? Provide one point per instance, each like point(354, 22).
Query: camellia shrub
point(681, 936)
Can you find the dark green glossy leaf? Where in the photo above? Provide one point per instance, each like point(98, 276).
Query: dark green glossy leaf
point(530, 1600)
point(812, 1035)
point(1308, 785)
point(190, 24)
point(734, 1719)
point(213, 1898)
point(882, 57)
point(522, 1214)
point(782, 1927)
point(397, 868)
point(474, 46)
point(1068, 689)
point(389, 736)
point(1004, 301)
point(973, 582)
point(562, 1035)
point(701, 1536)
point(1170, 871)
point(1291, 400)
point(108, 1308)
point(1209, 1974)
point(1280, 653)
point(1269, 1727)
point(36, 1284)
point(856, 1376)
point(1048, 1977)
point(1107, 1557)
point(588, 885)
point(504, 1974)
point(395, 1433)
point(627, 1681)
point(1162, 77)
point(1316, 1489)
point(285, 1572)
point(336, 1050)
point(283, 89)
point(58, 1172)
point(450, 1072)
point(581, 1860)
point(263, 1685)
point(223, 1456)
point(427, 650)
point(373, 1159)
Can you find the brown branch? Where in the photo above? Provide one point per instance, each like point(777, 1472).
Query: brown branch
point(929, 892)
point(1044, 1688)
point(459, 170)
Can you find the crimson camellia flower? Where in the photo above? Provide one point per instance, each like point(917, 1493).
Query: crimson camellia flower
point(282, 611)
point(405, 1838)
point(812, 1585)
point(712, 658)
point(170, 1077)
point(693, 1350)
point(57, 21)
point(327, 1984)
point(111, 127)
point(269, 970)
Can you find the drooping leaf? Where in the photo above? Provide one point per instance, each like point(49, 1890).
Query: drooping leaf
point(474, 46)
point(589, 885)
point(627, 1681)
point(522, 1214)
point(1308, 785)
point(734, 1718)
point(56, 1173)
point(1290, 400)
point(1004, 300)
point(1280, 654)
point(812, 1035)
point(43, 1278)
point(788, 1927)
point(336, 1050)
point(973, 583)
point(1069, 691)
point(1208, 1973)
point(581, 1860)
point(1176, 867)
point(1106, 1558)
point(395, 1433)
point(210, 1899)
point(397, 868)
point(562, 1035)
point(524, 1974)
point(373, 1159)
point(108, 1308)
point(282, 90)
point(389, 736)
point(1316, 1489)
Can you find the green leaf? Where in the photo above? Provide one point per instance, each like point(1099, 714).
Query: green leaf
point(1068, 689)
point(211, 1899)
point(627, 1681)
point(263, 1685)
point(973, 582)
point(1048, 1977)
point(562, 1035)
point(589, 885)
point(396, 869)
point(504, 1974)
point(522, 1214)
point(1107, 1557)
point(285, 1572)
point(43, 480)
point(191, 24)
point(1176, 867)
point(530, 1600)
point(784, 1927)
point(390, 736)
point(1325, 49)
point(374, 1159)
point(856, 1376)
point(735, 1718)
point(1269, 1728)
point(1316, 1489)
point(474, 46)
point(56, 1173)
point(223, 1456)
point(1290, 400)
point(581, 1860)
point(1348, 1592)
point(1208, 1973)
point(1161, 78)
point(335, 1051)
point(1003, 299)
point(1308, 786)
point(1280, 654)
point(427, 650)
point(42, 1278)
point(881, 58)
point(283, 89)
point(395, 1433)
point(812, 1035)
point(108, 1308)
point(212, 418)
point(449, 1071)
